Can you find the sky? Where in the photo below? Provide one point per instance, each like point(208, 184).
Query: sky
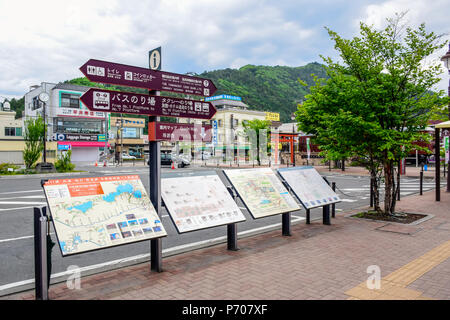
point(47, 41)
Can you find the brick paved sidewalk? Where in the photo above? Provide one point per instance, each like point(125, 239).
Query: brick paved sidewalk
point(316, 262)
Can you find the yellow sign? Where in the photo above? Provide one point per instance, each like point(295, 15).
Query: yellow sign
point(273, 116)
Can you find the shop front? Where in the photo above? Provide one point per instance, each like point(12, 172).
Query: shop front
point(82, 151)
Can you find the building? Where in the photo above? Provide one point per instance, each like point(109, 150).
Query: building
point(228, 126)
point(11, 137)
point(70, 124)
point(132, 139)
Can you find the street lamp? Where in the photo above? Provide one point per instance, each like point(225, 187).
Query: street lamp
point(446, 59)
point(44, 97)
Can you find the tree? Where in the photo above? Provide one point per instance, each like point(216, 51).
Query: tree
point(376, 101)
point(254, 129)
point(34, 134)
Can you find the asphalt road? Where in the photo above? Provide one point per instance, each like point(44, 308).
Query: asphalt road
point(19, 196)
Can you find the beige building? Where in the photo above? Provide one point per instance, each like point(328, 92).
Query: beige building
point(228, 126)
point(131, 139)
point(11, 138)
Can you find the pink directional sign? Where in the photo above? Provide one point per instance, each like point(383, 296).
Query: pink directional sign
point(134, 103)
point(124, 75)
point(158, 131)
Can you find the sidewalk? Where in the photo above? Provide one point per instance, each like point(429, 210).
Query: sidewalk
point(316, 262)
point(413, 172)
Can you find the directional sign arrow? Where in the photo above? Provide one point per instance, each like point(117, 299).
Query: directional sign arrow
point(124, 75)
point(167, 131)
point(134, 103)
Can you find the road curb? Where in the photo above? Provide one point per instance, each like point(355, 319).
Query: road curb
point(41, 175)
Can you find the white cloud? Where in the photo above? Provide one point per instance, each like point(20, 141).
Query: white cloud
point(49, 40)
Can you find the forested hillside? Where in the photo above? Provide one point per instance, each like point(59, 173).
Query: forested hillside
point(267, 88)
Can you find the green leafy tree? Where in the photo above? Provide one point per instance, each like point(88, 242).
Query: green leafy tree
point(34, 140)
point(376, 100)
point(255, 130)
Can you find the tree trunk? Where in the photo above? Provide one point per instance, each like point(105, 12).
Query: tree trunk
point(390, 188)
point(376, 191)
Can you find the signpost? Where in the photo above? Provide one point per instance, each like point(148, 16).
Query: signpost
point(152, 105)
point(168, 131)
point(130, 76)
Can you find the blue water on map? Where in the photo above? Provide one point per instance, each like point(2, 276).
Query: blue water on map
point(83, 207)
point(123, 188)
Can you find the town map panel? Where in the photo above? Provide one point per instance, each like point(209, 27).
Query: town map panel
point(198, 201)
point(100, 212)
point(262, 192)
point(309, 186)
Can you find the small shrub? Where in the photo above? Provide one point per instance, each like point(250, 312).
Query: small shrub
point(5, 166)
point(64, 164)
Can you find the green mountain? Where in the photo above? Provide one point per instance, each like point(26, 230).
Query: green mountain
point(267, 88)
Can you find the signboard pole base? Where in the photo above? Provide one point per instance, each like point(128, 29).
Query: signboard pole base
point(326, 215)
point(308, 216)
point(232, 237)
point(421, 182)
point(286, 224)
point(40, 254)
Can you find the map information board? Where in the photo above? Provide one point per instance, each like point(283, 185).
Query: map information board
point(198, 200)
point(262, 192)
point(100, 212)
point(309, 186)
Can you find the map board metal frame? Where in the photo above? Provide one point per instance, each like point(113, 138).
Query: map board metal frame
point(183, 175)
point(243, 198)
point(52, 182)
point(281, 171)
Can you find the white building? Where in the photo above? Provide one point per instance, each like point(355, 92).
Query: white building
point(70, 123)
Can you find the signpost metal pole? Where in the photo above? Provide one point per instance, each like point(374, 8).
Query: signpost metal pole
point(421, 181)
point(437, 159)
point(398, 180)
point(326, 215)
point(40, 254)
point(333, 206)
point(286, 224)
point(308, 216)
point(155, 195)
point(371, 192)
point(232, 227)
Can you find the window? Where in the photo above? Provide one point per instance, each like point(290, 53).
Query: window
point(13, 132)
point(87, 126)
point(36, 103)
point(69, 100)
point(219, 123)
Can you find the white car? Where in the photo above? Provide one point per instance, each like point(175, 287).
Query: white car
point(126, 156)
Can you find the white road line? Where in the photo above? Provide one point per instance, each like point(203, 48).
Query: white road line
point(19, 238)
point(348, 200)
point(23, 202)
point(141, 256)
point(18, 208)
point(24, 197)
point(38, 190)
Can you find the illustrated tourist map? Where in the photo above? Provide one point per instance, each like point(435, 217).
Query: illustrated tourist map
point(309, 186)
point(99, 212)
point(198, 201)
point(262, 192)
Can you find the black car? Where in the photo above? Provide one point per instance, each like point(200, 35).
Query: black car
point(166, 159)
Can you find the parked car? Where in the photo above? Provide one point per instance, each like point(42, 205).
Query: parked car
point(126, 156)
point(167, 158)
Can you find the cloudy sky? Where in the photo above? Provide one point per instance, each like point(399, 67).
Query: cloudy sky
point(49, 40)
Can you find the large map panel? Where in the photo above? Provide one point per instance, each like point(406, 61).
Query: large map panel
point(198, 200)
point(100, 212)
point(309, 186)
point(262, 192)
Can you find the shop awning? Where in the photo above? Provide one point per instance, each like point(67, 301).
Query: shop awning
point(445, 124)
point(94, 144)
